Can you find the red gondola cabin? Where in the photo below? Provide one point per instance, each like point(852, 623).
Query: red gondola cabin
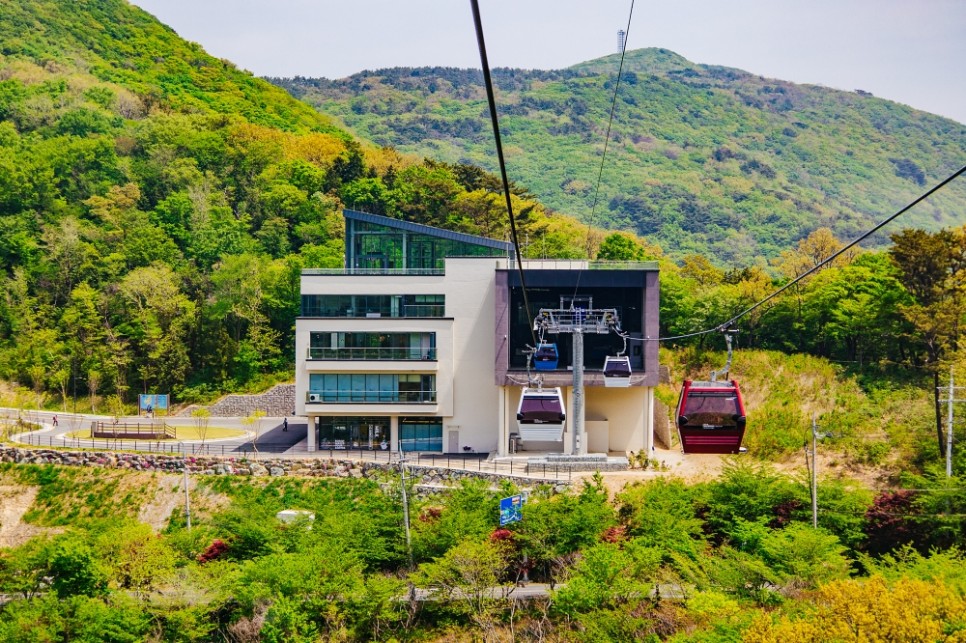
point(711, 417)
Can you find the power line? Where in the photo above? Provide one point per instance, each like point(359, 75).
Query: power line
point(610, 122)
point(850, 245)
point(491, 100)
point(613, 108)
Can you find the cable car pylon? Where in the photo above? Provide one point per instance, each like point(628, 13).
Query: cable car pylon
point(577, 316)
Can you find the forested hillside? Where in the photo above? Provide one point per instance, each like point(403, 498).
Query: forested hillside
point(701, 159)
point(730, 559)
point(157, 206)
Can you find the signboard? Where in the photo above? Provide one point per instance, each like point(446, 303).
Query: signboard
point(153, 402)
point(511, 509)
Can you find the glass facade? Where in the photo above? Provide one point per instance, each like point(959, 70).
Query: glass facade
point(382, 243)
point(372, 346)
point(371, 388)
point(354, 433)
point(421, 433)
point(373, 305)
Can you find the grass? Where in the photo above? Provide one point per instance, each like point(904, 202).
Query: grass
point(879, 425)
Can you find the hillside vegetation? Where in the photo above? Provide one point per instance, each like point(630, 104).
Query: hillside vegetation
point(702, 159)
point(157, 206)
point(731, 559)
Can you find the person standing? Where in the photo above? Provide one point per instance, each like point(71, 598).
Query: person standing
point(285, 424)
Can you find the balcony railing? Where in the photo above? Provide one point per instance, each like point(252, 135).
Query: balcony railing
point(406, 310)
point(370, 397)
point(381, 353)
point(373, 271)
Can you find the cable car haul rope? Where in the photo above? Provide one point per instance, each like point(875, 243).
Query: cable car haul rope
point(710, 415)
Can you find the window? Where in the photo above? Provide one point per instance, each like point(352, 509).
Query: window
point(421, 433)
point(372, 346)
point(354, 433)
point(373, 305)
point(372, 388)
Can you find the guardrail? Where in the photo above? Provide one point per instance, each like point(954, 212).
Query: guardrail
point(133, 430)
point(472, 462)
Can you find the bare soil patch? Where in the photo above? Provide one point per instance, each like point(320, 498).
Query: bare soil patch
point(15, 501)
point(703, 467)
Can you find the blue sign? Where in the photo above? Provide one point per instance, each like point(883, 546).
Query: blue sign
point(511, 510)
point(152, 403)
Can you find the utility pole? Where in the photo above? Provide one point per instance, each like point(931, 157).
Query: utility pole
point(405, 503)
point(187, 497)
point(814, 473)
point(949, 428)
point(950, 399)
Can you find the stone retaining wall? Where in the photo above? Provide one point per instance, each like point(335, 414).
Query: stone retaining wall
point(278, 401)
point(427, 477)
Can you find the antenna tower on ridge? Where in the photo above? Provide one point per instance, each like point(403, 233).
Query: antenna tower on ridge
point(621, 34)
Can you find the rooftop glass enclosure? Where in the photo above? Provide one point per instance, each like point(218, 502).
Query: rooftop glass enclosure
point(380, 244)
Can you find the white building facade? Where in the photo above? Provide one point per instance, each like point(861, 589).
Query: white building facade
point(414, 348)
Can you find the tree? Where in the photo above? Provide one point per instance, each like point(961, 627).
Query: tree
point(202, 416)
point(466, 577)
point(623, 246)
point(933, 270)
point(870, 610)
point(74, 569)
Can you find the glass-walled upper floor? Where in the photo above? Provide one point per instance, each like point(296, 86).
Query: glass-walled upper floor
point(375, 243)
point(373, 305)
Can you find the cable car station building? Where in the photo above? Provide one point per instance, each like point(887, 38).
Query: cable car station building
point(420, 344)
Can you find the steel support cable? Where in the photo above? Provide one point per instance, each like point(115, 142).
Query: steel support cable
point(613, 108)
point(488, 82)
point(724, 326)
point(610, 122)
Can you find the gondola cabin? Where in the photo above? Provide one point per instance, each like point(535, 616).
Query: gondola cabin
point(617, 371)
point(545, 358)
point(711, 417)
point(541, 414)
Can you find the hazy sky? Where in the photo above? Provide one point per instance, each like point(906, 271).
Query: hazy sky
point(910, 51)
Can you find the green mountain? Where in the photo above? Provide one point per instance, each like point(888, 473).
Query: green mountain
point(115, 42)
point(157, 206)
point(701, 158)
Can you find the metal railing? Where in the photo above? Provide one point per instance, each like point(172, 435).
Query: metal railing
point(404, 311)
point(374, 271)
point(372, 353)
point(135, 430)
point(370, 397)
point(471, 462)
